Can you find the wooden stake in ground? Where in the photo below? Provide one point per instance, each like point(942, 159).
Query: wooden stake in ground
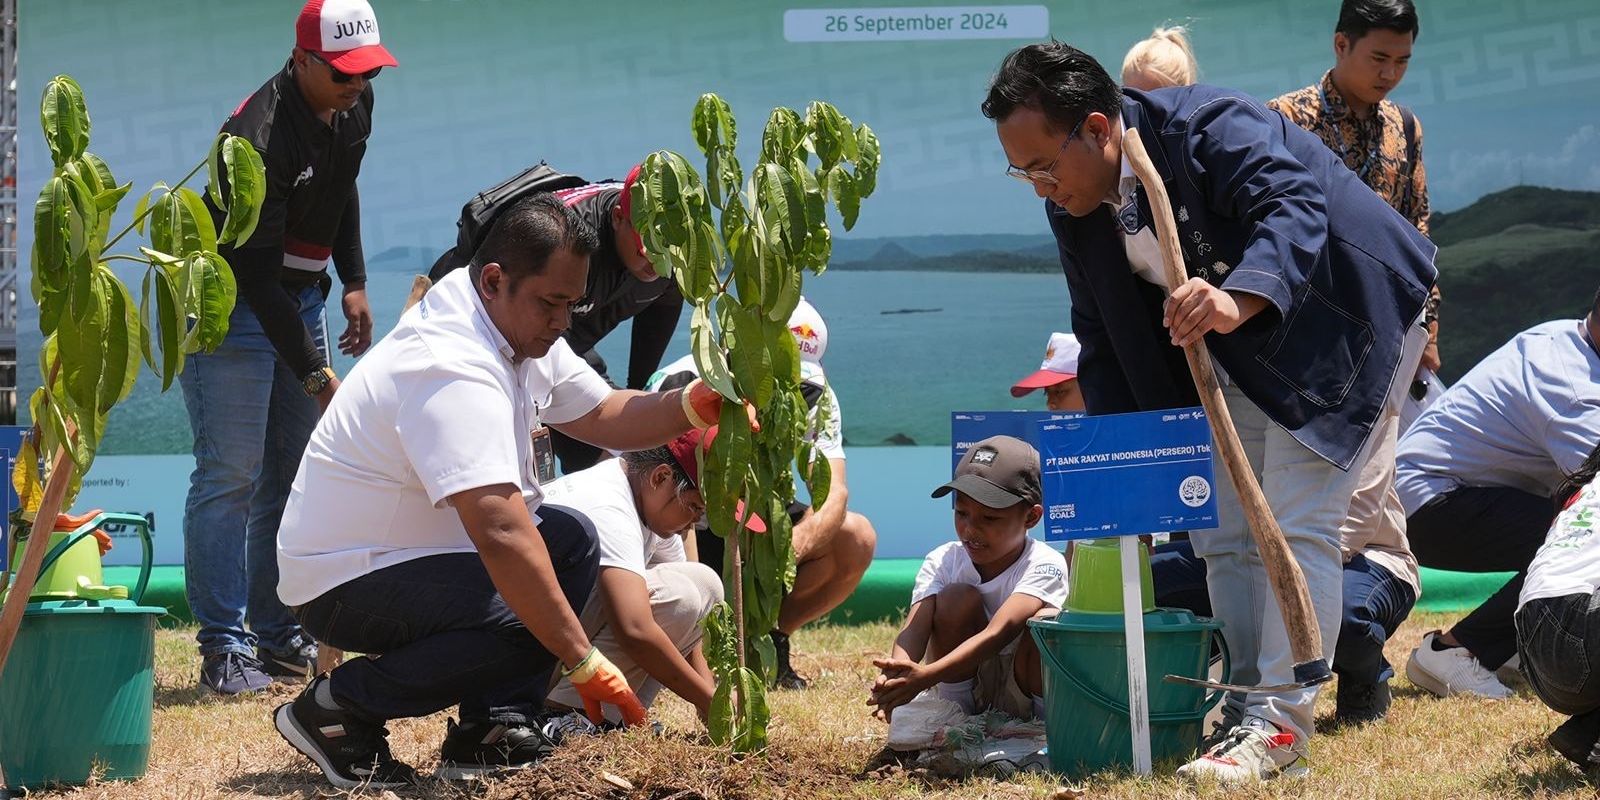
point(329, 656)
point(1288, 583)
point(22, 580)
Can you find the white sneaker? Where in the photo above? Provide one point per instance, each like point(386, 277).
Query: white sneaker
point(1252, 752)
point(1452, 671)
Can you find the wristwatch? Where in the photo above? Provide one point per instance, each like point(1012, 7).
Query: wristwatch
point(317, 381)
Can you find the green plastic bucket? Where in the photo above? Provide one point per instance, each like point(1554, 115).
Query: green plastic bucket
point(79, 686)
point(1086, 687)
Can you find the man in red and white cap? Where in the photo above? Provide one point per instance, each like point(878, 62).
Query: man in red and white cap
point(623, 285)
point(1057, 375)
point(254, 401)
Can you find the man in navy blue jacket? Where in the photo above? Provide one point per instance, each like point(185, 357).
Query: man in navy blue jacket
point(1306, 286)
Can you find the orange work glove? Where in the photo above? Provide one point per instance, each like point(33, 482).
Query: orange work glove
point(703, 406)
point(599, 682)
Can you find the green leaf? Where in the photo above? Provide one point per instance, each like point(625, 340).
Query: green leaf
point(785, 352)
point(51, 233)
point(819, 479)
point(713, 124)
point(756, 714)
point(784, 135)
point(65, 119)
point(147, 328)
point(867, 162)
point(121, 331)
point(748, 356)
point(709, 360)
point(773, 212)
point(719, 723)
point(213, 293)
point(199, 233)
point(846, 195)
point(214, 173)
point(82, 348)
point(749, 264)
point(824, 137)
point(247, 190)
point(170, 322)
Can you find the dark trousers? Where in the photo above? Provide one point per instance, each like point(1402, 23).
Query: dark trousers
point(1559, 639)
point(1483, 529)
point(445, 635)
point(1376, 601)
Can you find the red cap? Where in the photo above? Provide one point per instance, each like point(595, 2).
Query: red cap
point(626, 205)
point(683, 452)
point(344, 33)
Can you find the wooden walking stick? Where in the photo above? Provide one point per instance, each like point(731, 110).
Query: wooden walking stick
point(1288, 583)
point(329, 657)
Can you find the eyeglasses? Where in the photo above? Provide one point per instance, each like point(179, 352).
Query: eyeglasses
point(1045, 176)
point(344, 77)
point(697, 510)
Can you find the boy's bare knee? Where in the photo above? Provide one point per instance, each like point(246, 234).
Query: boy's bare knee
point(957, 604)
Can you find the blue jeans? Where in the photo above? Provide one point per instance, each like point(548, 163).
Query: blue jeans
point(1375, 603)
point(444, 634)
point(251, 421)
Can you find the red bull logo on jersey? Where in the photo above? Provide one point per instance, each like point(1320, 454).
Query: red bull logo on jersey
point(806, 337)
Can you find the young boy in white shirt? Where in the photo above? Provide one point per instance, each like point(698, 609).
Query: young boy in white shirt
point(645, 610)
point(965, 635)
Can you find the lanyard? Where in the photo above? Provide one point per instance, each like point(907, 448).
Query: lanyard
point(1339, 145)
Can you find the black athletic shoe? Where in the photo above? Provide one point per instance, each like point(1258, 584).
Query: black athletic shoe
point(352, 753)
point(1357, 703)
point(474, 749)
point(785, 677)
point(230, 674)
point(298, 663)
point(1576, 739)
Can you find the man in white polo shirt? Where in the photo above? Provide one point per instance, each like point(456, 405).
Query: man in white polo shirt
point(414, 530)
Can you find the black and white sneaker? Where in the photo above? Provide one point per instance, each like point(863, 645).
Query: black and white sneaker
point(298, 663)
point(476, 749)
point(352, 753)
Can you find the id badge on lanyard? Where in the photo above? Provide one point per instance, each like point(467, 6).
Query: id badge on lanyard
point(544, 455)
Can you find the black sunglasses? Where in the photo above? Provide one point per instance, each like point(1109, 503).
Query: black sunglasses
point(344, 77)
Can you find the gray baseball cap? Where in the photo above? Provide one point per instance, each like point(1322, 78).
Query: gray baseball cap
point(999, 472)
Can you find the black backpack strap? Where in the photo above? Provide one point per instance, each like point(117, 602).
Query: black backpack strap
point(1409, 121)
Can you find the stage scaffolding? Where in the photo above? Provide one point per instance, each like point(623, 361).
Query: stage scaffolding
point(8, 212)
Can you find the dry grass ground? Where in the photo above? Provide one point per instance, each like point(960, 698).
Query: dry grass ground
point(824, 743)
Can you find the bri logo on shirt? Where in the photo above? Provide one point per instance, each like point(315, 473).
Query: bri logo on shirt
point(303, 177)
point(1049, 571)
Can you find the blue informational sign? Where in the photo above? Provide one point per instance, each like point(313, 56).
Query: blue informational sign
point(1125, 474)
point(10, 445)
point(967, 428)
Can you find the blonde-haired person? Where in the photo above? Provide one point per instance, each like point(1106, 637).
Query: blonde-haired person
point(1165, 59)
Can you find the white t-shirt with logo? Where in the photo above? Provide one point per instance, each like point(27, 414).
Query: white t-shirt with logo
point(826, 433)
point(1039, 572)
point(601, 495)
point(435, 408)
point(1569, 560)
